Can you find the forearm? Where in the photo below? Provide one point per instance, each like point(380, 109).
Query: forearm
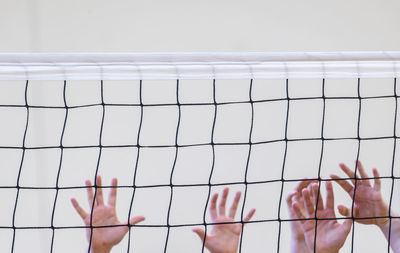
point(393, 233)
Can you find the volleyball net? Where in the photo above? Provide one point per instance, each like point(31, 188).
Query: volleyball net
point(176, 128)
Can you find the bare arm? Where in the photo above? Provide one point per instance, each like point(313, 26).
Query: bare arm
point(394, 233)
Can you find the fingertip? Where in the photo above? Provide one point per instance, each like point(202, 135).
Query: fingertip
point(215, 196)
point(135, 220)
point(225, 191)
point(114, 182)
point(88, 182)
point(250, 215)
point(238, 194)
point(200, 232)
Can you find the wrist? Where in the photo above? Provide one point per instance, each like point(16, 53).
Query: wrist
point(229, 251)
point(384, 224)
point(328, 251)
point(100, 250)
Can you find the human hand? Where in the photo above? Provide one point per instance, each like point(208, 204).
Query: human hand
point(223, 238)
point(368, 201)
point(331, 235)
point(104, 238)
point(298, 243)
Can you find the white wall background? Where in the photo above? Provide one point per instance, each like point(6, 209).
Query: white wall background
point(164, 26)
point(177, 25)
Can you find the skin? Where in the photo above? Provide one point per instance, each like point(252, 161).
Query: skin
point(331, 235)
point(368, 202)
point(298, 243)
point(223, 238)
point(103, 239)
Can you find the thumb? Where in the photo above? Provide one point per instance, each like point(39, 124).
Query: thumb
point(136, 219)
point(346, 225)
point(343, 210)
point(200, 232)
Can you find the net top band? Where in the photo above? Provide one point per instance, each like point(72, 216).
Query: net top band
point(142, 66)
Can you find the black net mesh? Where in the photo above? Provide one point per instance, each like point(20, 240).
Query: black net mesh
point(174, 149)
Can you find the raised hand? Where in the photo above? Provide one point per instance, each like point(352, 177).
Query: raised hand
point(223, 238)
point(298, 243)
point(368, 201)
point(104, 238)
point(331, 235)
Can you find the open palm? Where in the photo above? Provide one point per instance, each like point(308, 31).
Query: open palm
point(331, 235)
point(223, 238)
point(368, 201)
point(105, 230)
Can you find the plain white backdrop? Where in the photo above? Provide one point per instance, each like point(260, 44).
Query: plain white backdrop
point(178, 25)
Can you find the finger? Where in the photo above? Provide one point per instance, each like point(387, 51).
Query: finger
point(78, 208)
point(377, 180)
point(304, 184)
point(289, 199)
point(343, 210)
point(348, 172)
point(200, 232)
point(136, 219)
point(317, 192)
point(89, 190)
point(344, 184)
point(232, 210)
point(249, 215)
point(297, 211)
point(312, 193)
point(330, 198)
point(307, 202)
point(112, 198)
point(222, 203)
point(99, 191)
point(213, 207)
point(363, 174)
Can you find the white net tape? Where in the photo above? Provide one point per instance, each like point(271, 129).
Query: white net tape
point(198, 66)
